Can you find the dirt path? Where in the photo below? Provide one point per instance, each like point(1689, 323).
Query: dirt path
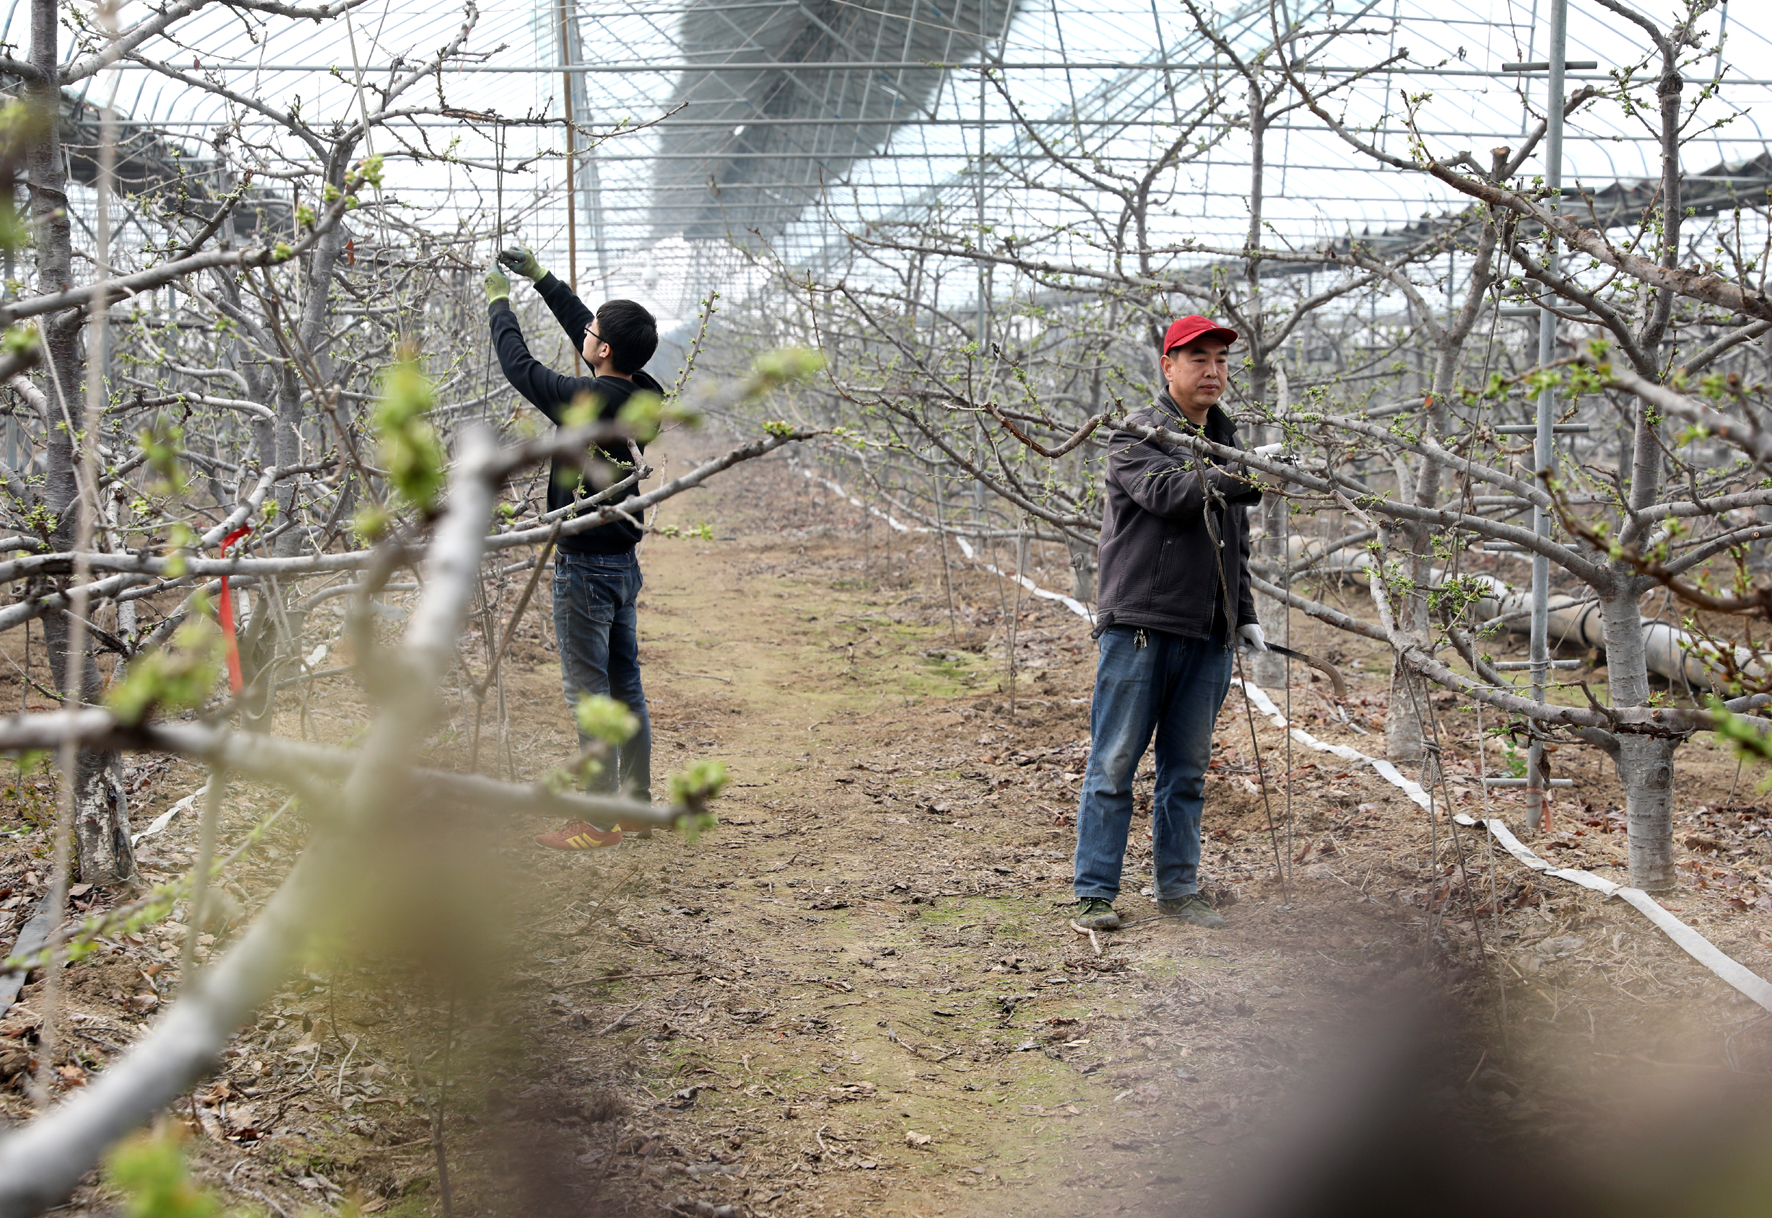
point(860, 992)
point(869, 997)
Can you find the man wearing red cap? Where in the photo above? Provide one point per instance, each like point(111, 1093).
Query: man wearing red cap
point(1174, 598)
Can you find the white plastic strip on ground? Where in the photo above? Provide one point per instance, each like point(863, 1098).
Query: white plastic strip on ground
point(1075, 606)
point(1690, 941)
point(165, 818)
point(1385, 769)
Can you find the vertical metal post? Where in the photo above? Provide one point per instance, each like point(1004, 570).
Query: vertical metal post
point(565, 12)
point(1543, 452)
point(584, 175)
point(984, 267)
point(566, 45)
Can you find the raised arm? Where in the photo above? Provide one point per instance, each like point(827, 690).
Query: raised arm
point(548, 391)
point(568, 309)
point(1165, 485)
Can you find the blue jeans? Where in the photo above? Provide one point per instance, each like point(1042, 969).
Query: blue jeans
point(598, 630)
point(1173, 686)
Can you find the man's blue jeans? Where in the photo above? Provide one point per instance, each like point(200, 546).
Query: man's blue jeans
point(1173, 686)
point(597, 626)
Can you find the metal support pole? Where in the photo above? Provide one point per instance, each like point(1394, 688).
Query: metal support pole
point(1543, 451)
point(567, 43)
point(983, 319)
point(583, 174)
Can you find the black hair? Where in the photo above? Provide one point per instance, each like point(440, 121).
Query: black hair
point(630, 331)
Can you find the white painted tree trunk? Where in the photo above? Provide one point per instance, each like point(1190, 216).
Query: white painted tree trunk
point(1269, 668)
point(1402, 719)
point(1082, 570)
point(1646, 771)
point(1645, 763)
point(1403, 730)
point(101, 813)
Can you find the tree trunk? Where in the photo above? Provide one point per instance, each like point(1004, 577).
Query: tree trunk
point(1408, 701)
point(1645, 763)
point(1268, 667)
point(101, 811)
point(1082, 569)
point(1646, 771)
point(310, 339)
point(1402, 720)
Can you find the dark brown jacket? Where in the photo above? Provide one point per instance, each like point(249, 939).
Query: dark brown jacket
point(1159, 569)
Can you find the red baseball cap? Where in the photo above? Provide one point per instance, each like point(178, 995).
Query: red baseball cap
point(1185, 330)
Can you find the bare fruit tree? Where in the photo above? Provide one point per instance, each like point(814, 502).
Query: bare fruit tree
point(276, 396)
point(1389, 371)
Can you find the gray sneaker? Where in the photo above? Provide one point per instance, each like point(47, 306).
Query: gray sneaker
point(1093, 913)
point(1192, 908)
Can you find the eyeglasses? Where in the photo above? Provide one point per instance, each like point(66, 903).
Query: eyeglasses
point(592, 334)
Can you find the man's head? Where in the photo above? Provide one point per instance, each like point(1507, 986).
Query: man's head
point(1195, 366)
point(620, 339)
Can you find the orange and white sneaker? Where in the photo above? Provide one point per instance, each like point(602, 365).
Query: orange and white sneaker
point(579, 835)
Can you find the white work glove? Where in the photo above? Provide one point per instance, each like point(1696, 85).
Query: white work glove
point(1253, 637)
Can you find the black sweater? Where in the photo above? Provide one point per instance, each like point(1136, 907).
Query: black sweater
point(551, 393)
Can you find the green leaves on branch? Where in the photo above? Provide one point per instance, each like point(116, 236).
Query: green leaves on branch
point(177, 677)
point(21, 126)
point(698, 532)
point(1744, 735)
point(693, 788)
point(369, 170)
point(149, 1170)
point(160, 443)
point(605, 719)
point(180, 540)
point(646, 414)
point(371, 522)
point(700, 782)
point(19, 341)
point(786, 366)
point(585, 409)
point(407, 446)
point(1454, 597)
point(643, 414)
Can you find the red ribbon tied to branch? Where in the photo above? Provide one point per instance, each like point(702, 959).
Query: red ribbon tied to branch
point(226, 615)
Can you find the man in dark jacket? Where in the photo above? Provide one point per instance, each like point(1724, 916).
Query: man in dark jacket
point(1174, 542)
point(596, 573)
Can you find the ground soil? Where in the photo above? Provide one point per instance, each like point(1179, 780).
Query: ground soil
point(860, 992)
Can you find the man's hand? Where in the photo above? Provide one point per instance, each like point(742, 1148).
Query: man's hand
point(520, 260)
point(1252, 635)
point(1233, 482)
point(497, 287)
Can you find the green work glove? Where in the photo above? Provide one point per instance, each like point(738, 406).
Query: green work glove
point(497, 287)
point(520, 260)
